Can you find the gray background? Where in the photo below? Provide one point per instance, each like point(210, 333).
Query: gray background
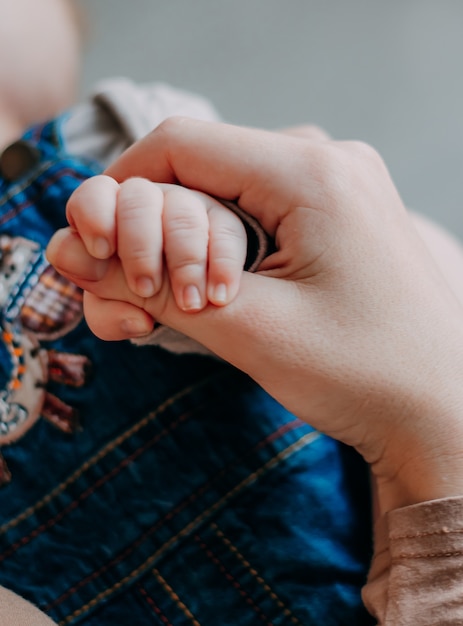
point(389, 73)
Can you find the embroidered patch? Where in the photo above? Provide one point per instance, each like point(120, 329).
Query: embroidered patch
point(53, 307)
point(36, 305)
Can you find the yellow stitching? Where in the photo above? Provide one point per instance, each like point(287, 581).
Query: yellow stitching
point(101, 454)
point(256, 574)
point(283, 454)
point(186, 611)
point(419, 535)
point(428, 555)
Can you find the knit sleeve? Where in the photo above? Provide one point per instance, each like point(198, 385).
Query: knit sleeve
point(15, 611)
point(417, 571)
point(120, 112)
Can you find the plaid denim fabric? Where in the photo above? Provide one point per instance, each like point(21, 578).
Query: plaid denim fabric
point(186, 496)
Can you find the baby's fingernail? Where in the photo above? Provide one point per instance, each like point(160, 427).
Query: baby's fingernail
point(145, 287)
point(101, 248)
point(191, 298)
point(218, 294)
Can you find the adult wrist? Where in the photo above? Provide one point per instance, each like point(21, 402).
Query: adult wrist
point(428, 467)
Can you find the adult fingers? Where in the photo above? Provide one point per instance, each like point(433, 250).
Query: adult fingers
point(113, 312)
point(263, 171)
point(306, 131)
point(113, 320)
point(262, 301)
point(68, 253)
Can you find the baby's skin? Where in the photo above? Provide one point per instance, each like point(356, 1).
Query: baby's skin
point(159, 232)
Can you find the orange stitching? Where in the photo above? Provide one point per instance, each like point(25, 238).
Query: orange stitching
point(256, 574)
point(100, 455)
point(181, 605)
point(168, 516)
point(441, 531)
point(429, 555)
point(283, 454)
point(153, 605)
point(91, 490)
point(234, 582)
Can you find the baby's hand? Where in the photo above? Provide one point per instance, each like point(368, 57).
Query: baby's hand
point(159, 231)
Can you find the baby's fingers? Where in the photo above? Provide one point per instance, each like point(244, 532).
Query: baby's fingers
point(91, 211)
point(139, 235)
point(186, 239)
point(227, 254)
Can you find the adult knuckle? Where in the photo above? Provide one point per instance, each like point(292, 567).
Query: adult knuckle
point(366, 152)
point(344, 168)
point(171, 126)
point(331, 170)
point(310, 132)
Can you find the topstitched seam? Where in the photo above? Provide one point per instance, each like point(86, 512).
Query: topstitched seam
point(22, 206)
point(150, 601)
point(234, 582)
point(92, 489)
point(97, 457)
point(168, 516)
point(175, 597)
point(256, 575)
point(283, 454)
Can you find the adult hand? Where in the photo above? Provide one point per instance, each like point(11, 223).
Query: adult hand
point(349, 324)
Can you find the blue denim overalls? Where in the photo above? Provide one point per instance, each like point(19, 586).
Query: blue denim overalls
point(142, 487)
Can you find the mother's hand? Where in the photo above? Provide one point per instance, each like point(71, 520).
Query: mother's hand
point(349, 324)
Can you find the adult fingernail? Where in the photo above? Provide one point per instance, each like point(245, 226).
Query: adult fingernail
point(145, 287)
point(101, 248)
point(135, 327)
point(67, 252)
point(191, 298)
